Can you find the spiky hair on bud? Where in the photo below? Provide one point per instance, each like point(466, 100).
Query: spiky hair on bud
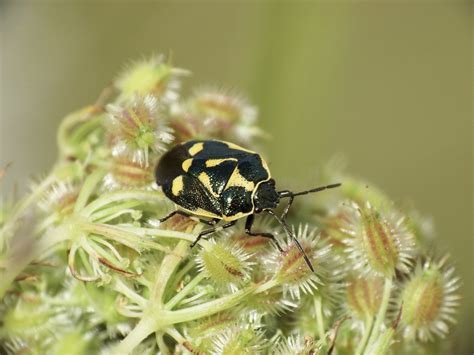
point(292, 272)
point(60, 198)
point(219, 114)
point(151, 76)
point(125, 173)
point(363, 297)
point(430, 299)
point(378, 242)
point(137, 128)
point(226, 264)
point(294, 344)
point(271, 303)
point(244, 339)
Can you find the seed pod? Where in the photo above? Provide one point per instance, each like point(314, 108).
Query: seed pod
point(138, 128)
point(378, 243)
point(227, 265)
point(152, 76)
point(363, 296)
point(430, 300)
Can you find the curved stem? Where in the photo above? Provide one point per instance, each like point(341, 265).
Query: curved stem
point(369, 322)
point(185, 291)
point(80, 116)
point(142, 330)
point(382, 310)
point(161, 344)
point(106, 199)
point(169, 264)
point(206, 309)
point(319, 319)
point(88, 188)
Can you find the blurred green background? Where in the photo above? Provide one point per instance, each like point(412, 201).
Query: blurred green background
point(386, 84)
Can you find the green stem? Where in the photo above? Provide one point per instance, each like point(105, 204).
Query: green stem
point(206, 309)
point(67, 124)
point(382, 310)
point(107, 212)
point(161, 344)
point(142, 330)
point(182, 272)
point(140, 195)
point(185, 291)
point(320, 319)
point(367, 330)
point(125, 236)
point(266, 286)
point(157, 318)
point(121, 287)
point(167, 268)
point(85, 129)
point(88, 188)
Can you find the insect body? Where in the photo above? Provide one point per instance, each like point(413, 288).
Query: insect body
point(221, 181)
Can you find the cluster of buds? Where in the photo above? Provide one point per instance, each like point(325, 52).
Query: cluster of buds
point(97, 269)
point(218, 114)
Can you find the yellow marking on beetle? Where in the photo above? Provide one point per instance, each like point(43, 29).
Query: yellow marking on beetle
point(236, 216)
point(214, 162)
point(202, 212)
point(237, 147)
point(186, 164)
point(265, 166)
point(196, 148)
point(206, 181)
point(177, 185)
point(238, 180)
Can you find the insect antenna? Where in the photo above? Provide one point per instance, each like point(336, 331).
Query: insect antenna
point(286, 193)
point(291, 235)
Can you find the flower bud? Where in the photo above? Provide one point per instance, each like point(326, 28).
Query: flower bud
point(377, 243)
point(218, 115)
point(152, 76)
point(430, 300)
point(60, 199)
point(138, 128)
point(125, 173)
point(294, 344)
point(292, 271)
point(226, 264)
point(244, 339)
point(363, 296)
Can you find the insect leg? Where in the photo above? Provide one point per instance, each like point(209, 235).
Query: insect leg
point(168, 216)
point(287, 208)
point(212, 230)
point(212, 222)
point(291, 235)
point(248, 230)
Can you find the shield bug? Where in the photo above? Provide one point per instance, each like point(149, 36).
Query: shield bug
point(216, 181)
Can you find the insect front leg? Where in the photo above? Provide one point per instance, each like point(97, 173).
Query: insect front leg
point(287, 208)
point(211, 222)
point(212, 230)
point(248, 230)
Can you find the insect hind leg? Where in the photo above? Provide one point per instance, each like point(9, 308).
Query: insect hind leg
point(211, 222)
point(248, 230)
point(211, 230)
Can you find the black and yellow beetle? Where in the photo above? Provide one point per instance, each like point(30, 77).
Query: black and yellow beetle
point(221, 181)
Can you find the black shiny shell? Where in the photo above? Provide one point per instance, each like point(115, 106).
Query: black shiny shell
point(212, 178)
